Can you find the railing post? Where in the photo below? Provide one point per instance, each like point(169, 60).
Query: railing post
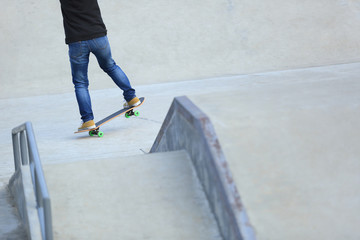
point(48, 220)
point(24, 148)
point(16, 149)
point(32, 166)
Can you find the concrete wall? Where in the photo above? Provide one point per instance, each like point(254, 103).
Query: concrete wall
point(162, 41)
point(186, 127)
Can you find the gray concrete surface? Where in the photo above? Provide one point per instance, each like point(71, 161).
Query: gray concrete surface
point(188, 128)
point(292, 142)
point(10, 224)
point(291, 139)
point(22, 191)
point(161, 42)
point(153, 196)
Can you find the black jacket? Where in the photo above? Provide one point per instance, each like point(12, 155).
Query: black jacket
point(82, 20)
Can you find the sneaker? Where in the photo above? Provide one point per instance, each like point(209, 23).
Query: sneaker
point(87, 125)
point(133, 103)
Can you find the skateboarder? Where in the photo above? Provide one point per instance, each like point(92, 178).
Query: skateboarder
point(85, 32)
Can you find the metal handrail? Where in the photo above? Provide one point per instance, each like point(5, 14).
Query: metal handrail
point(26, 153)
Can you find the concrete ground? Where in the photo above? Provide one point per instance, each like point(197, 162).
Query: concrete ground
point(290, 138)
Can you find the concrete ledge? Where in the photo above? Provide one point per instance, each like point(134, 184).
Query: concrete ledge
point(21, 188)
point(187, 127)
point(146, 196)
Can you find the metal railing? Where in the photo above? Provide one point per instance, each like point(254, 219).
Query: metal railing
point(26, 153)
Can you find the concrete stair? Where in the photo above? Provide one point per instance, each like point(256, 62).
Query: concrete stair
point(10, 224)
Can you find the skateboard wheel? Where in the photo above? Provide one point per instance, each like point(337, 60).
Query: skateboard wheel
point(136, 113)
point(127, 115)
point(100, 134)
point(91, 133)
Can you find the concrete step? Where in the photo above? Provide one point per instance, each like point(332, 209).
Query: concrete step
point(10, 224)
point(148, 196)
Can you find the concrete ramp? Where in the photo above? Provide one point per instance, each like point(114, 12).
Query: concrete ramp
point(162, 41)
point(155, 196)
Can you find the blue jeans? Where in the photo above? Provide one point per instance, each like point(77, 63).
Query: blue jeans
point(79, 53)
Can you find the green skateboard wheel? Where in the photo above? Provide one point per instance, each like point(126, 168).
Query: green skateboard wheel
point(91, 133)
point(100, 134)
point(127, 115)
point(136, 113)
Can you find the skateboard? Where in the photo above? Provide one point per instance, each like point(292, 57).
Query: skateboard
point(127, 111)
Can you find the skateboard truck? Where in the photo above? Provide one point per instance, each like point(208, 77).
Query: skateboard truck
point(96, 132)
point(131, 113)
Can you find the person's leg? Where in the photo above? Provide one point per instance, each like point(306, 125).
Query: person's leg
point(101, 49)
point(79, 59)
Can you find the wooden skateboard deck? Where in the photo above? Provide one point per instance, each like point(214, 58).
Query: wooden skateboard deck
point(127, 111)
